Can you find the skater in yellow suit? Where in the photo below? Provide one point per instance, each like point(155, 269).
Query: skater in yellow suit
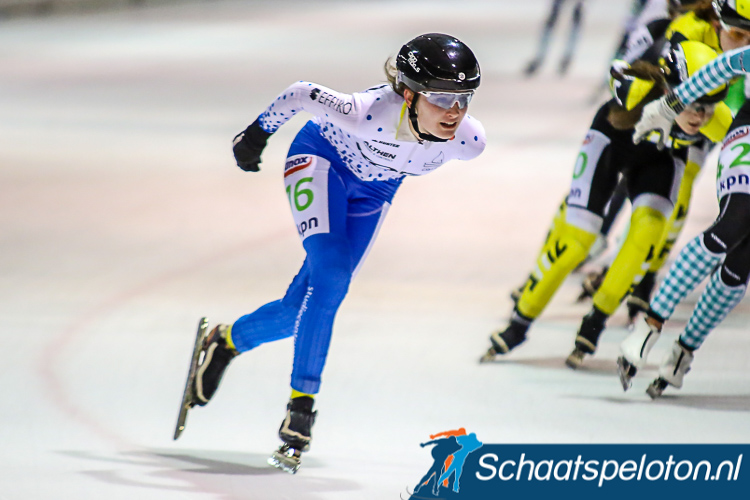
point(652, 177)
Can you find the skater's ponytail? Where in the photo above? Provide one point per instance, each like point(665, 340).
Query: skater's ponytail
point(703, 10)
point(622, 118)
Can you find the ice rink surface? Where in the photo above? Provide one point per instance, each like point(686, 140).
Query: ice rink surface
point(123, 220)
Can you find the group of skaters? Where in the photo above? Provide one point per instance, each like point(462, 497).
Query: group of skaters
point(345, 165)
point(698, 58)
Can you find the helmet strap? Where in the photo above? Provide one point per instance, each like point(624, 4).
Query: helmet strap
point(415, 125)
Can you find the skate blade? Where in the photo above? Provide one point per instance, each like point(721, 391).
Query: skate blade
point(488, 356)
point(286, 459)
point(575, 359)
point(656, 389)
point(626, 371)
point(187, 395)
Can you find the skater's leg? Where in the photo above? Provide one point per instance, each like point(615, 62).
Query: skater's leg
point(676, 221)
point(334, 259)
point(331, 270)
point(641, 291)
point(614, 207)
point(544, 39)
point(274, 320)
point(652, 178)
point(594, 180)
point(573, 36)
point(653, 184)
point(592, 185)
point(724, 291)
point(646, 228)
point(560, 255)
point(703, 253)
point(693, 264)
point(552, 233)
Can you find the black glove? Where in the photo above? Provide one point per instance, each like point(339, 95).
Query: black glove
point(248, 146)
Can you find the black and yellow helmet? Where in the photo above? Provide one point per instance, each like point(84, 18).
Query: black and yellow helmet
point(684, 59)
point(735, 13)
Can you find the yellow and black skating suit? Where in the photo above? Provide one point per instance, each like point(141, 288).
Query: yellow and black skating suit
point(653, 183)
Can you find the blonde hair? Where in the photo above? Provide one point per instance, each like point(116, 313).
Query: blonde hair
point(391, 73)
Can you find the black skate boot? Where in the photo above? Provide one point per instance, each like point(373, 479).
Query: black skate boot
point(296, 432)
point(591, 284)
point(638, 301)
point(588, 336)
point(532, 67)
point(510, 338)
point(216, 358)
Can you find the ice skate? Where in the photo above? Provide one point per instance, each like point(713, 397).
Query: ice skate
point(216, 357)
point(635, 349)
point(587, 338)
point(672, 370)
point(286, 458)
point(591, 284)
point(188, 398)
point(575, 358)
point(656, 388)
point(296, 432)
point(532, 67)
point(505, 341)
point(626, 371)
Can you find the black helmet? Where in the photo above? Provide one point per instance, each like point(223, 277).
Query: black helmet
point(683, 60)
point(435, 61)
point(734, 13)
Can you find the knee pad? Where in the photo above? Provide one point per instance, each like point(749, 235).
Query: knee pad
point(564, 250)
point(646, 229)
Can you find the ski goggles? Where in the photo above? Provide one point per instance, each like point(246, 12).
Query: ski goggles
point(447, 100)
point(701, 107)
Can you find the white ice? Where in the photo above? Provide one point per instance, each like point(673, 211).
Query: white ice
point(123, 220)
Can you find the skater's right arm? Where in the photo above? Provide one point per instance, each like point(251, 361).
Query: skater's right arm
point(659, 115)
point(344, 110)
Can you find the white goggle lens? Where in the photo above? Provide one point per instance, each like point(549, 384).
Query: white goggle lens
point(447, 100)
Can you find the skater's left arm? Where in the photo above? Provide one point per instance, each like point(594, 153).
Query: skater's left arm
point(344, 110)
point(659, 115)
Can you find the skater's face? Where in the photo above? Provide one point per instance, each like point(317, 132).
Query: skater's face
point(435, 119)
point(731, 38)
point(694, 117)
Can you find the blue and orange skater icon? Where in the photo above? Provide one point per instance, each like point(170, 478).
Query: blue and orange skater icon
point(449, 453)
